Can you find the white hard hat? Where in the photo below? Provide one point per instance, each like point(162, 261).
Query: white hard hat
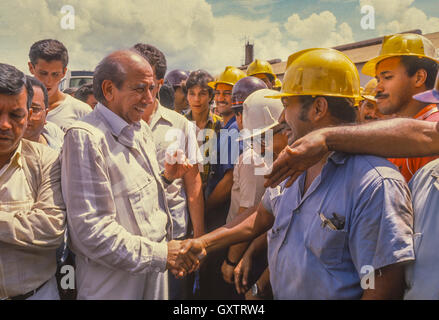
point(259, 113)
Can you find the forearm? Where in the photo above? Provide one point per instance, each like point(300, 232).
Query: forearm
point(386, 138)
point(258, 245)
point(389, 283)
point(221, 193)
point(244, 227)
point(194, 193)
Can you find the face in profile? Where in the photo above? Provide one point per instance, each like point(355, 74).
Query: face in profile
point(13, 121)
point(37, 118)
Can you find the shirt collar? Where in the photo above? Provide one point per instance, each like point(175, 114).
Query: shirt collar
point(230, 122)
point(117, 124)
point(15, 159)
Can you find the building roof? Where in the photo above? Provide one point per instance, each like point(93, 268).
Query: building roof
point(360, 52)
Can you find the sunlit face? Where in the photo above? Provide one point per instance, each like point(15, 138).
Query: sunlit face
point(37, 119)
point(131, 100)
point(394, 90)
point(49, 73)
point(295, 117)
point(13, 121)
point(264, 77)
point(223, 97)
point(369, 111)
point(198, 98)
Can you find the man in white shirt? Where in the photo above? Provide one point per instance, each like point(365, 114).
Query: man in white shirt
point(48, 63)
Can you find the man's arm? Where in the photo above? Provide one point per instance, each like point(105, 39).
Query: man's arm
point(396, 138)
point(42, 227)
point(194, 191)
point(244, 227)
point(389, 284)
point(221, 193)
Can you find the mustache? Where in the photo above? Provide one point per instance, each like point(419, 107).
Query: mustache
point(381, 95)
point(6, 133)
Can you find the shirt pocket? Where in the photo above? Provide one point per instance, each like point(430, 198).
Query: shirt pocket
point(325, 243)
point(143, 203)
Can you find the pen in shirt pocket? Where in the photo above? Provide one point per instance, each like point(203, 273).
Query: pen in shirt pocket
point(337, 222)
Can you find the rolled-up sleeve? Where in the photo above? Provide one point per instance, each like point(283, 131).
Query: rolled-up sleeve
point(381, 232)
point(91, 211)
point(39, 224)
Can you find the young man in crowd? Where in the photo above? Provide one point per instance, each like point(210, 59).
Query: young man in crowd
point(48, 63)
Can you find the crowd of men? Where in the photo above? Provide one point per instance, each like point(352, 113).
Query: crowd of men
point(181, 185)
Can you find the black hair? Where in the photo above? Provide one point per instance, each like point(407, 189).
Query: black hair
point(48, 50)
point(34, 82)
point(412, 64)
point(108, 69)
point(199, 78)
point(154, 56)
point(84, 91)
point(70, 90)
point(342, 109)
point(12, 82)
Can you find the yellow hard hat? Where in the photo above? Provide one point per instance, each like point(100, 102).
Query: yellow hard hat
point(320, 72)
point(230, 76)
point(260, 66)
point(406, 44)
point(277, 83)
point(369, 90)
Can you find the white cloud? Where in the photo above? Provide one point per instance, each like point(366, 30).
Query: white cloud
point(186, 31)
point(393, 16)
point(318, 30)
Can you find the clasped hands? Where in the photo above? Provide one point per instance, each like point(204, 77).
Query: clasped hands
point(184, 257)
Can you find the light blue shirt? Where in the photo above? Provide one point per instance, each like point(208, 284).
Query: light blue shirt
point(422, 276)
point(309, 260)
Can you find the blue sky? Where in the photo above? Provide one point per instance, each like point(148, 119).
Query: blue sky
point(206, 34)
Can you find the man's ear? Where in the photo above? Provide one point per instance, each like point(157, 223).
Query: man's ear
point(64, 72)
point(420, 78)
point(31, 68)
point(29, 114)
point(108, 90)
point(319, 109)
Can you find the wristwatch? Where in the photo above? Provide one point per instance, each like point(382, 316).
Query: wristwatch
point(255, 290)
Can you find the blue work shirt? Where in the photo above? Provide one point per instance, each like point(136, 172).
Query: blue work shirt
point(421, 276)
point(309, 259)
point(226, 141)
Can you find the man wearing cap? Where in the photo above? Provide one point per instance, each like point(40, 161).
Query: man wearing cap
point(368, 107)
point(264, 138)
point(398, 79)
point(344, 222)
point(263, 70)
point(176, 78)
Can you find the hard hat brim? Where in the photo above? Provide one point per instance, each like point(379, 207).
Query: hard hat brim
point(369, 68)
point(371, 98)
point(430, 96)
point(258, 132)
point(213, 84)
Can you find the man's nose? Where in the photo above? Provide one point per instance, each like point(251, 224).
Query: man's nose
point(5, 124)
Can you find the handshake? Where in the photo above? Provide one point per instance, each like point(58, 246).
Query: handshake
point(184, 256)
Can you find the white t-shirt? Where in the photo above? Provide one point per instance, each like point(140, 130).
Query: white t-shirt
point(248, 182)
point(69, 111)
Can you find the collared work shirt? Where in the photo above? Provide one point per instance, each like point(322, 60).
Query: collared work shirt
point(32, 218)
point(421, 276)
point(310, 260)
point(207, 141)
point(117, 211)
point(172, 131)
point(408, 166)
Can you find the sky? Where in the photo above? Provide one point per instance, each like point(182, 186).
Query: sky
point(201, 34)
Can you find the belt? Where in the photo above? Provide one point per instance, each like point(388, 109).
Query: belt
point(28, 294)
